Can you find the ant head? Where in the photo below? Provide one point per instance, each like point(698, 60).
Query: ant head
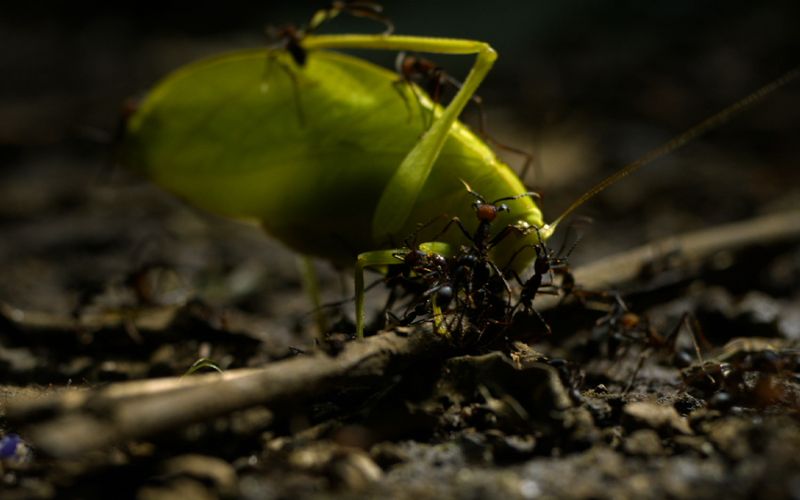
point(283, 34)
point(288, 38)
point(414, 257)
point(487, 212)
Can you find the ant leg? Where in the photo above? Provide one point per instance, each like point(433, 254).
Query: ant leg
point(457, 222)
point(363, 8)
point(503, 234)
point(515, 255)
point(689, 321)
point(411, 240)
point(290, 73)
point(426, 115)
point(400, 86)
point(514, 275)
point(483, 129)
point(504, 281)
point(435, 93)
point(643, 356)
point(541, 318)
point(528, 158)
point(377, 258)
point(571, 228)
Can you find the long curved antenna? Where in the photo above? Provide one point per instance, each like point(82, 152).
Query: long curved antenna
point(675, 143)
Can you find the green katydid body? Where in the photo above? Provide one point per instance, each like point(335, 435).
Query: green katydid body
point(308, 153)
point(332, 160)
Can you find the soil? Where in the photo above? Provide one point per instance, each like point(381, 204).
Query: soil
point(105, 279)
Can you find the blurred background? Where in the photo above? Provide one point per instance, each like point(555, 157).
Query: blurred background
point(584, 85)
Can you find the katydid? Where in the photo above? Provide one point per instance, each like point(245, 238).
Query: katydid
point(352, 178)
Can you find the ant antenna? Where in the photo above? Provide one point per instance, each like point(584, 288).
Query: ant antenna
point(481, 199)
point(677, 142)
point(357, 8)
point(578, 236)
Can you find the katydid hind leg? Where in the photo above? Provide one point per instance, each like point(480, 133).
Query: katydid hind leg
point(400, 195)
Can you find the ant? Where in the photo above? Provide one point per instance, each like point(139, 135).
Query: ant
point(469, 279)
point(544, 265)
point(627, 328)
point(477, 283)
point(481, 239)
point(457, 280)
point(425, 73)
point(290, 37)
point(747, 371)
point(547, 263)
point(486, 212)
point(419, 71)
point(426, 274)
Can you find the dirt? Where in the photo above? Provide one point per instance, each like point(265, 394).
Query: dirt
point(103, 278)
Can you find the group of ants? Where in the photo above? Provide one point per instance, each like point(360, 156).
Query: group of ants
point(467, 297)
point(467, 288)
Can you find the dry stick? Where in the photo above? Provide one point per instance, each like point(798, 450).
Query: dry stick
point(83, 421)
point(694, 247)
point(73, 422)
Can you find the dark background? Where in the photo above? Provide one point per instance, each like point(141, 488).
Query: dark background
point(585, 85)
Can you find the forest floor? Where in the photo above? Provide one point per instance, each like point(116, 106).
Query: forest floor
point(106, 281)
point(111, 290)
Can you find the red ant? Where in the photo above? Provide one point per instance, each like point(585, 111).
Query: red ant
point(745, 372)
point(627, 327)
point(486, 212)
point(290, 37)
point(415, 70)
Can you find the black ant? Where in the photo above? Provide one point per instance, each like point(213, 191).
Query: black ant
point(425, 274)
point(486, 212)
point(547, 263)
point(543, 265)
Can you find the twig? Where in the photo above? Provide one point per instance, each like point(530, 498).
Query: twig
point(79, 421)
point(692, 248)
